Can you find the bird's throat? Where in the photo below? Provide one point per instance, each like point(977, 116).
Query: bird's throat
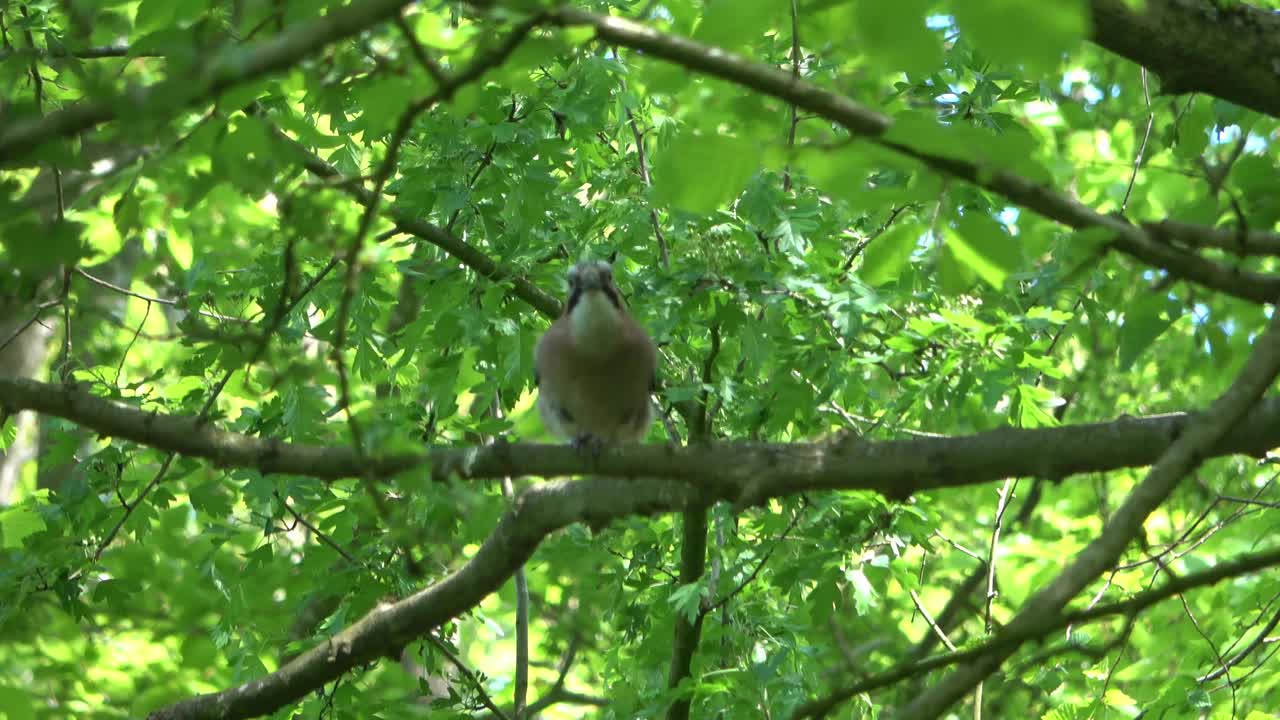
point(594, 323)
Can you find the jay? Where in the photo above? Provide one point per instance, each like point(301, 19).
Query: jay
point(595, 366)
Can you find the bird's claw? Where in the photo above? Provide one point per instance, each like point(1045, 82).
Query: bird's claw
point(587, 442)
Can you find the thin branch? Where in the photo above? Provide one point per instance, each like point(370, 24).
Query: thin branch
point(220, 73)
point(1223, 667)
point(1128, 238)
point(1142, 149)
point(642, 157)
point(35, 317)
point(158, 300)
point(427, 62)
point(520, 687)
point(795, 73)
point(86, 53)
point(1006, 494)
point(125, 355)
point(1244, 653)
point(759, 566)
point(271, 324)
point(323, 537)
point(936, 628)
point(407, 222)
point(469, 674)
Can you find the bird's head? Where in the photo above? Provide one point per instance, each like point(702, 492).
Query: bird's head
point(590, 277)
point(595, 307)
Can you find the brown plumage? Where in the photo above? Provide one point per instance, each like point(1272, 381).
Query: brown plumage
point(595, 365)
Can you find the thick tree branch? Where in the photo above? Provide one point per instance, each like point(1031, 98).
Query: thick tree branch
point(688, 631)
point(1228, 51)
point(859, 120)
point(220, 73)
point(386, 630)
point(1182, 456)
point(742, 471)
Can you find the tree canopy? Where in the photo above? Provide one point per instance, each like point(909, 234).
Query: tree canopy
point(965, 311)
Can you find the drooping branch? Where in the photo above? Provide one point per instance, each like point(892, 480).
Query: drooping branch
point(1240, 566)
point(1225, 50)
point(1182, 456)
point(442, 238)
point(220, 73)
point(745, 472)
point(1131, 239)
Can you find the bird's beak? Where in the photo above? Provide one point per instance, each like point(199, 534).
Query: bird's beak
point(592, 282)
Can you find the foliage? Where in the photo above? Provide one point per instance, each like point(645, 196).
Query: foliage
point(801, 281)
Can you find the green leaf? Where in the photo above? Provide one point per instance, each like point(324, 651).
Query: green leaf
point(981, 244)
point(18, 523)
point(886, 255)
point(1042, 34)
point(382, 100)
point(1194, 127)
point(699, 173)
point(687, 600)
point(737, 23)
point(41, 249)
point(894, 34)
point(1146, 319)
point(18, 704)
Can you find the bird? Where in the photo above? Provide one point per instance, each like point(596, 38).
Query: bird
point(595, 366)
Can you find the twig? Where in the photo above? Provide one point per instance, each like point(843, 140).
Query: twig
point(937, 629)
point(428, 63)
point(1006, 493)
point(642, 158)
point(795, 73)
point(1142, 149)
point(1245, 652)
point(760, 565)
point(1223, 667)
point(324, 538)
point(158, 300)
point(521, 685)
point(120, 366)
point(35, 316)
point(469, 674)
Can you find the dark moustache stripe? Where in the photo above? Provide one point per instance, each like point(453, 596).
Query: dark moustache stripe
point(575, 296)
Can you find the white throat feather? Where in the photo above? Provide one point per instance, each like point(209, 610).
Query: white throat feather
point(594, 322)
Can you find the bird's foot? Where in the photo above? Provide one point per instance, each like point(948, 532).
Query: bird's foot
point(586, 442)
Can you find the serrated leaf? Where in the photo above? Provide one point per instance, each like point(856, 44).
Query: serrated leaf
point(38, 249)
point(1145, 320)
point(699, 173)
point(18, 523)
point(687, 600)
point(885, 256)
point(894, 34)
point(736, 23)
point(18, 703)
point(1044, 31)
point(981, 244)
